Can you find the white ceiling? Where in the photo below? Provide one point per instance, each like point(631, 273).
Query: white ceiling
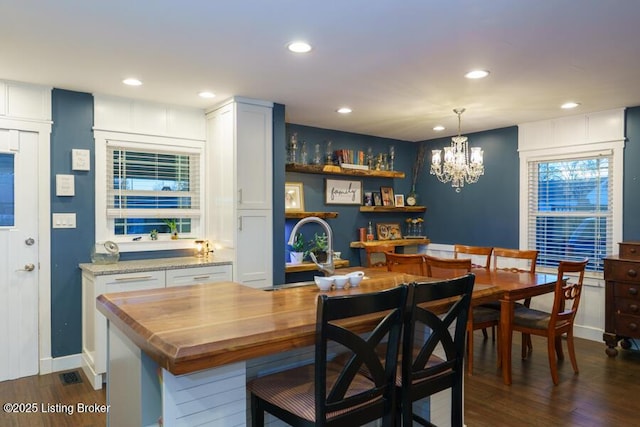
point(398, 64)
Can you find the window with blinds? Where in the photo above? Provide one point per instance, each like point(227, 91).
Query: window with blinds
point(570, 209)
point(146, 186)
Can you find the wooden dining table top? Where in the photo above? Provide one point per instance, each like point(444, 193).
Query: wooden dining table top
point(185, 329)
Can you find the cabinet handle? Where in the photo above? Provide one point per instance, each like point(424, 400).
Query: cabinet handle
point(239, 223)
point(132, 278)
point(632, 250)
point(632, 273)
point(633, 291)
point(633, 326)
point(633, 307)
point(240, 196)
point(201, 277)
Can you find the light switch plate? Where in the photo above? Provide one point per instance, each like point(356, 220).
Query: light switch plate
point(64, 220)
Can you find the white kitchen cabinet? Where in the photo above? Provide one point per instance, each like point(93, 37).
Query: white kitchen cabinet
point(240, 180)
point(133, 276)
point(193, 276)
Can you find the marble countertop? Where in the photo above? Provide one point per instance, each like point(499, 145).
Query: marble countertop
point(155, 264)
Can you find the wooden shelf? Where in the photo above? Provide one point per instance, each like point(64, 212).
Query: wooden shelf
point(309, 266)
point(299, 215)
point(337, 170)
point(393, 209)
point(396, 242)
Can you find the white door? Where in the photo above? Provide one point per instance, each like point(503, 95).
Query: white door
point(18, 254)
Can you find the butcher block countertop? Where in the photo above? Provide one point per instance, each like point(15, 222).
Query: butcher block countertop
point(190, 328)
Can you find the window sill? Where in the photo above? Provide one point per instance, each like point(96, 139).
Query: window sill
point(147, 245)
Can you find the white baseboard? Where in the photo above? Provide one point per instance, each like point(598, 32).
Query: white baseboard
point(49, 365)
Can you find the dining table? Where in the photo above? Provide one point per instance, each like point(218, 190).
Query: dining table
point(513, 285)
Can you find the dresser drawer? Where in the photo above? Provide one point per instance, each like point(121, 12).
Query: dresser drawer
point(627, 325)
point(630, 250)
point(626, 290)
point(625, 271)
point(628, 306)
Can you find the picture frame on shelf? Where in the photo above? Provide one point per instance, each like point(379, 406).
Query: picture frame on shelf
point(342, 192)
point(293, 197)
point(399, 200)
point(367, 200)
point(377, 199)
point(389, 231)
point(387, 196)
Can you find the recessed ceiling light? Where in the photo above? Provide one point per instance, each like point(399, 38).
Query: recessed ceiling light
point(206, 94)
point(477, 74)
point(132, 82)
point(438, 128)
point(299, 47)
point(569, 105)
point(344, 110)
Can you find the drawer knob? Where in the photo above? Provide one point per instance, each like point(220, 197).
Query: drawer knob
point(632, 273)
point(632, 250)
point(633, 326)
point(633, 291)
point(633, 307)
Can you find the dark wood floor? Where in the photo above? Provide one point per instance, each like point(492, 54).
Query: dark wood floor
point(603, 394)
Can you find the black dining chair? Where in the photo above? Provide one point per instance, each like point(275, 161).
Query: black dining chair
point(335, 391)
point(432, 351)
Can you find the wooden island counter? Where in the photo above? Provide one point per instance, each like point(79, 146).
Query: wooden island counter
point(185, 354)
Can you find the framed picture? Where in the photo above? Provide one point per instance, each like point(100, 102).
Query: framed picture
point(399, 200)
point(342, 192)
point(293, 197)
point(368, 198)
point(387, 196)
point(377, 199)
point(389, 231)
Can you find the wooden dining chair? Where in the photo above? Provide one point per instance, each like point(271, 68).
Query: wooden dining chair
point(479, 252)
point(333, 391)
point(406, 263)
point(479, 317)
point(558, 321)
point(378, 250)
point(433, 351)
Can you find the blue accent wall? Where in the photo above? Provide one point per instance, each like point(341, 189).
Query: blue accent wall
point(345, 226)
point(279, 158)
point(72, 128)
point(484, 213)
point(631, 184)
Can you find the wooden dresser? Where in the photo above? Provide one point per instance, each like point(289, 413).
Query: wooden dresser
point(622, 297)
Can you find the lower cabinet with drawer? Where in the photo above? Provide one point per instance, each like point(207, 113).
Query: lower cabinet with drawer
point(622, 298)
point(94, 324)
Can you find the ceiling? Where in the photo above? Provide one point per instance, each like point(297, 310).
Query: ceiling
point(398, 64)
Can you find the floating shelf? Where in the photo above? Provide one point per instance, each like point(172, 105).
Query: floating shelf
point(393, 209)
point(309, 266)
point(300, 215)
point(396, 242)
point(337, 170)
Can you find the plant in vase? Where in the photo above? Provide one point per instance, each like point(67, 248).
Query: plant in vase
point(173, 227)
point(297, 249)
point(319, 247)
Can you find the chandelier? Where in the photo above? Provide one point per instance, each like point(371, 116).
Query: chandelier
point(459, 165)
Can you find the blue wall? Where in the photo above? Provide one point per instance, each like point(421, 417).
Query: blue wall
point(72, 128)
point(631, 185)
point(349, 219)
point(481, 214)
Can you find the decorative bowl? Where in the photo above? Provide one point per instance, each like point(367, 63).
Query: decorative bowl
point(340, 281)
point(323, 283)
point(355, 277)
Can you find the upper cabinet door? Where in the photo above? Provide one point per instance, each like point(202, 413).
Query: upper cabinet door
point(254, 156)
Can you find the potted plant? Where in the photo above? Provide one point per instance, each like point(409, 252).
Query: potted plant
point(319, 247)
point(297, 249)
point(173, 227)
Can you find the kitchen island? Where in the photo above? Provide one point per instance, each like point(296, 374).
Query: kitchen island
point(185, 354)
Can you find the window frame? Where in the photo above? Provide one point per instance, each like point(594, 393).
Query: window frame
point(574, 152)
point(105, 225)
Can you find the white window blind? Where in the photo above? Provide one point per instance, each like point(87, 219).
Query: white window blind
point(570, 209)
point(146, 184)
